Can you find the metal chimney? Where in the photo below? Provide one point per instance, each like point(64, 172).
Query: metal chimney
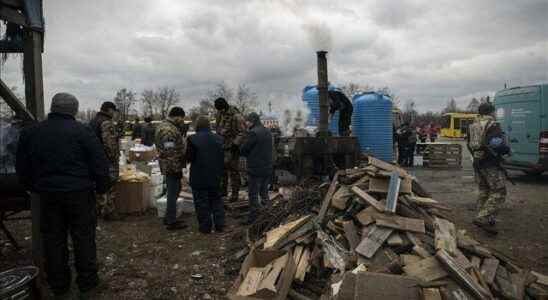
point(323, 94)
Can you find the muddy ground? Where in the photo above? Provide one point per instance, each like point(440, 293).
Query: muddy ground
point(138, 259)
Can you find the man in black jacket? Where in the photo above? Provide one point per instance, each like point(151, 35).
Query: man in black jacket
point(148, 132)
point(206, 156)
point(62, 160)
point(258, 151)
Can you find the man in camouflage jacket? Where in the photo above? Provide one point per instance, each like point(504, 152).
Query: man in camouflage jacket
point(172, 147)
point(104, 127)
point(486, 142)
point(231, 126)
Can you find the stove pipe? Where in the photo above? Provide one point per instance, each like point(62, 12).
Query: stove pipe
point(323, 94)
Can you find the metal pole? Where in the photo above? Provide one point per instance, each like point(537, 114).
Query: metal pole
point(323, 95)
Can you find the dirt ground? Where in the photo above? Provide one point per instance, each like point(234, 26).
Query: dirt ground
point(139, 259)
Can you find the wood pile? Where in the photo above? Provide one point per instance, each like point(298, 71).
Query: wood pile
point(442, 155)
point(378, 234)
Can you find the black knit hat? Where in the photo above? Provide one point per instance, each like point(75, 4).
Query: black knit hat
point(486, 108)
point(177, 111)
point(64, 103)
point(221, 104)
point(108, 105)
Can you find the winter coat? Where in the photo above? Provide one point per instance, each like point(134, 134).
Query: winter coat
point(105, 129)
point(61, 155)
point(171, 147)
point(206, 157)
point(258, 151)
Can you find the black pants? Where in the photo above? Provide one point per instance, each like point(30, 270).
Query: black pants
point(210, 210)
point(410, 156)
point(173, 182)
point(74, 212)
point(257, 187)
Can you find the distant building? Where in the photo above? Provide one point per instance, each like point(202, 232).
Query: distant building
point(270, 120)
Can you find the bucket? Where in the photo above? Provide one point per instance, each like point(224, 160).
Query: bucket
point(17, 284)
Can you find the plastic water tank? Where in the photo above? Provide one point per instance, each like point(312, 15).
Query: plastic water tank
point(372, 124)
point(311, 96)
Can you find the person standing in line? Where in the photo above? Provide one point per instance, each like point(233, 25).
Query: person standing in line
point(104, 127)
point(63, 162)
point(137, 132)
point(258, 151)
point(171, 147)
point(148, 132)
point(206, 157)
point(230, 125)
point(403, 134)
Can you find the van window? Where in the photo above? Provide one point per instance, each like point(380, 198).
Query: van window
point(456, 123)
point(446, 121)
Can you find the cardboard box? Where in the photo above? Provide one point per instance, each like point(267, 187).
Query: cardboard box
point(145, 156)
point(259, 259)
point(132, 197)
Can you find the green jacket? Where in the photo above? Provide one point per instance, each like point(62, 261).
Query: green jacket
point(171, 148)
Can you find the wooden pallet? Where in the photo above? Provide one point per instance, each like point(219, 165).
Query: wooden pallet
point(442, 156)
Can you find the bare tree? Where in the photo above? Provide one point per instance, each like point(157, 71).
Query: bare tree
point(221, 90)
point(124, 100)
point(166, 98)
point(351, 89)
point(246, 100)
point(473, 105)
point(204, 108)
point(451, 106)
point(148, 102)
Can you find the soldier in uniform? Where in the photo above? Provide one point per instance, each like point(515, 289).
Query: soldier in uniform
point(172, 147)
point(231, 126)
point(486, 143)
point(104, 127)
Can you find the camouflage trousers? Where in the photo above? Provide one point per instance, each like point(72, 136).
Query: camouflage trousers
point(232, 172)
point(105, 203)
point(492, 192)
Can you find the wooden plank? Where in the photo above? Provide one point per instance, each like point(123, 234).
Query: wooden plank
point(504, 282)
point(302, 267)
point(297, 254)
point(489, 269)
point(368, 198)
point(428, 269)
point(460, 274)
point(371, 285)
point(327, 200)
point(341, 197)
point(445, 236)
point(395, 240)
point(431, 294)
point(251, 282)
point(387, 167)
point(393, 192)
point(476, 262)
point(541, 278)
point(351, 234)
point(367, 216)
point(269, 281)
point(301, 231)
point(401, 223)
point(420, 251)
point(407, 259)
point(277, 234)
point(373, 241)
point(14, 103)
point(32, 65)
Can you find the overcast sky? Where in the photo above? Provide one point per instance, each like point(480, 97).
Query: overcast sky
point(428, 51)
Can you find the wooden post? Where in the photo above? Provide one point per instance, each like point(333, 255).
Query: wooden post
point(34, 85)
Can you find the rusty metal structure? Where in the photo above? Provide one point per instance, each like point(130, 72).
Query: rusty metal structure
point(322, 154)
point(23, 21)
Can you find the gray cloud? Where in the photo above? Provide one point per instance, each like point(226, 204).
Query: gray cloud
point(426, 51)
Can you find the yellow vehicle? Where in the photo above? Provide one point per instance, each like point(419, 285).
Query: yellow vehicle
point(455, 125)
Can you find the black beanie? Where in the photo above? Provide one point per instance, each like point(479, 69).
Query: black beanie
point(177, 111)
point(221, 104)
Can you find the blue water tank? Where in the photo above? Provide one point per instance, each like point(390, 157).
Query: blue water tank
point(311, 96)
point(372, 124)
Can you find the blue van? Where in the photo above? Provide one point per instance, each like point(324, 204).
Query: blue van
point(523, 115)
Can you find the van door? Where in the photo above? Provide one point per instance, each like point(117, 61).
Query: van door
point(521, 113)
